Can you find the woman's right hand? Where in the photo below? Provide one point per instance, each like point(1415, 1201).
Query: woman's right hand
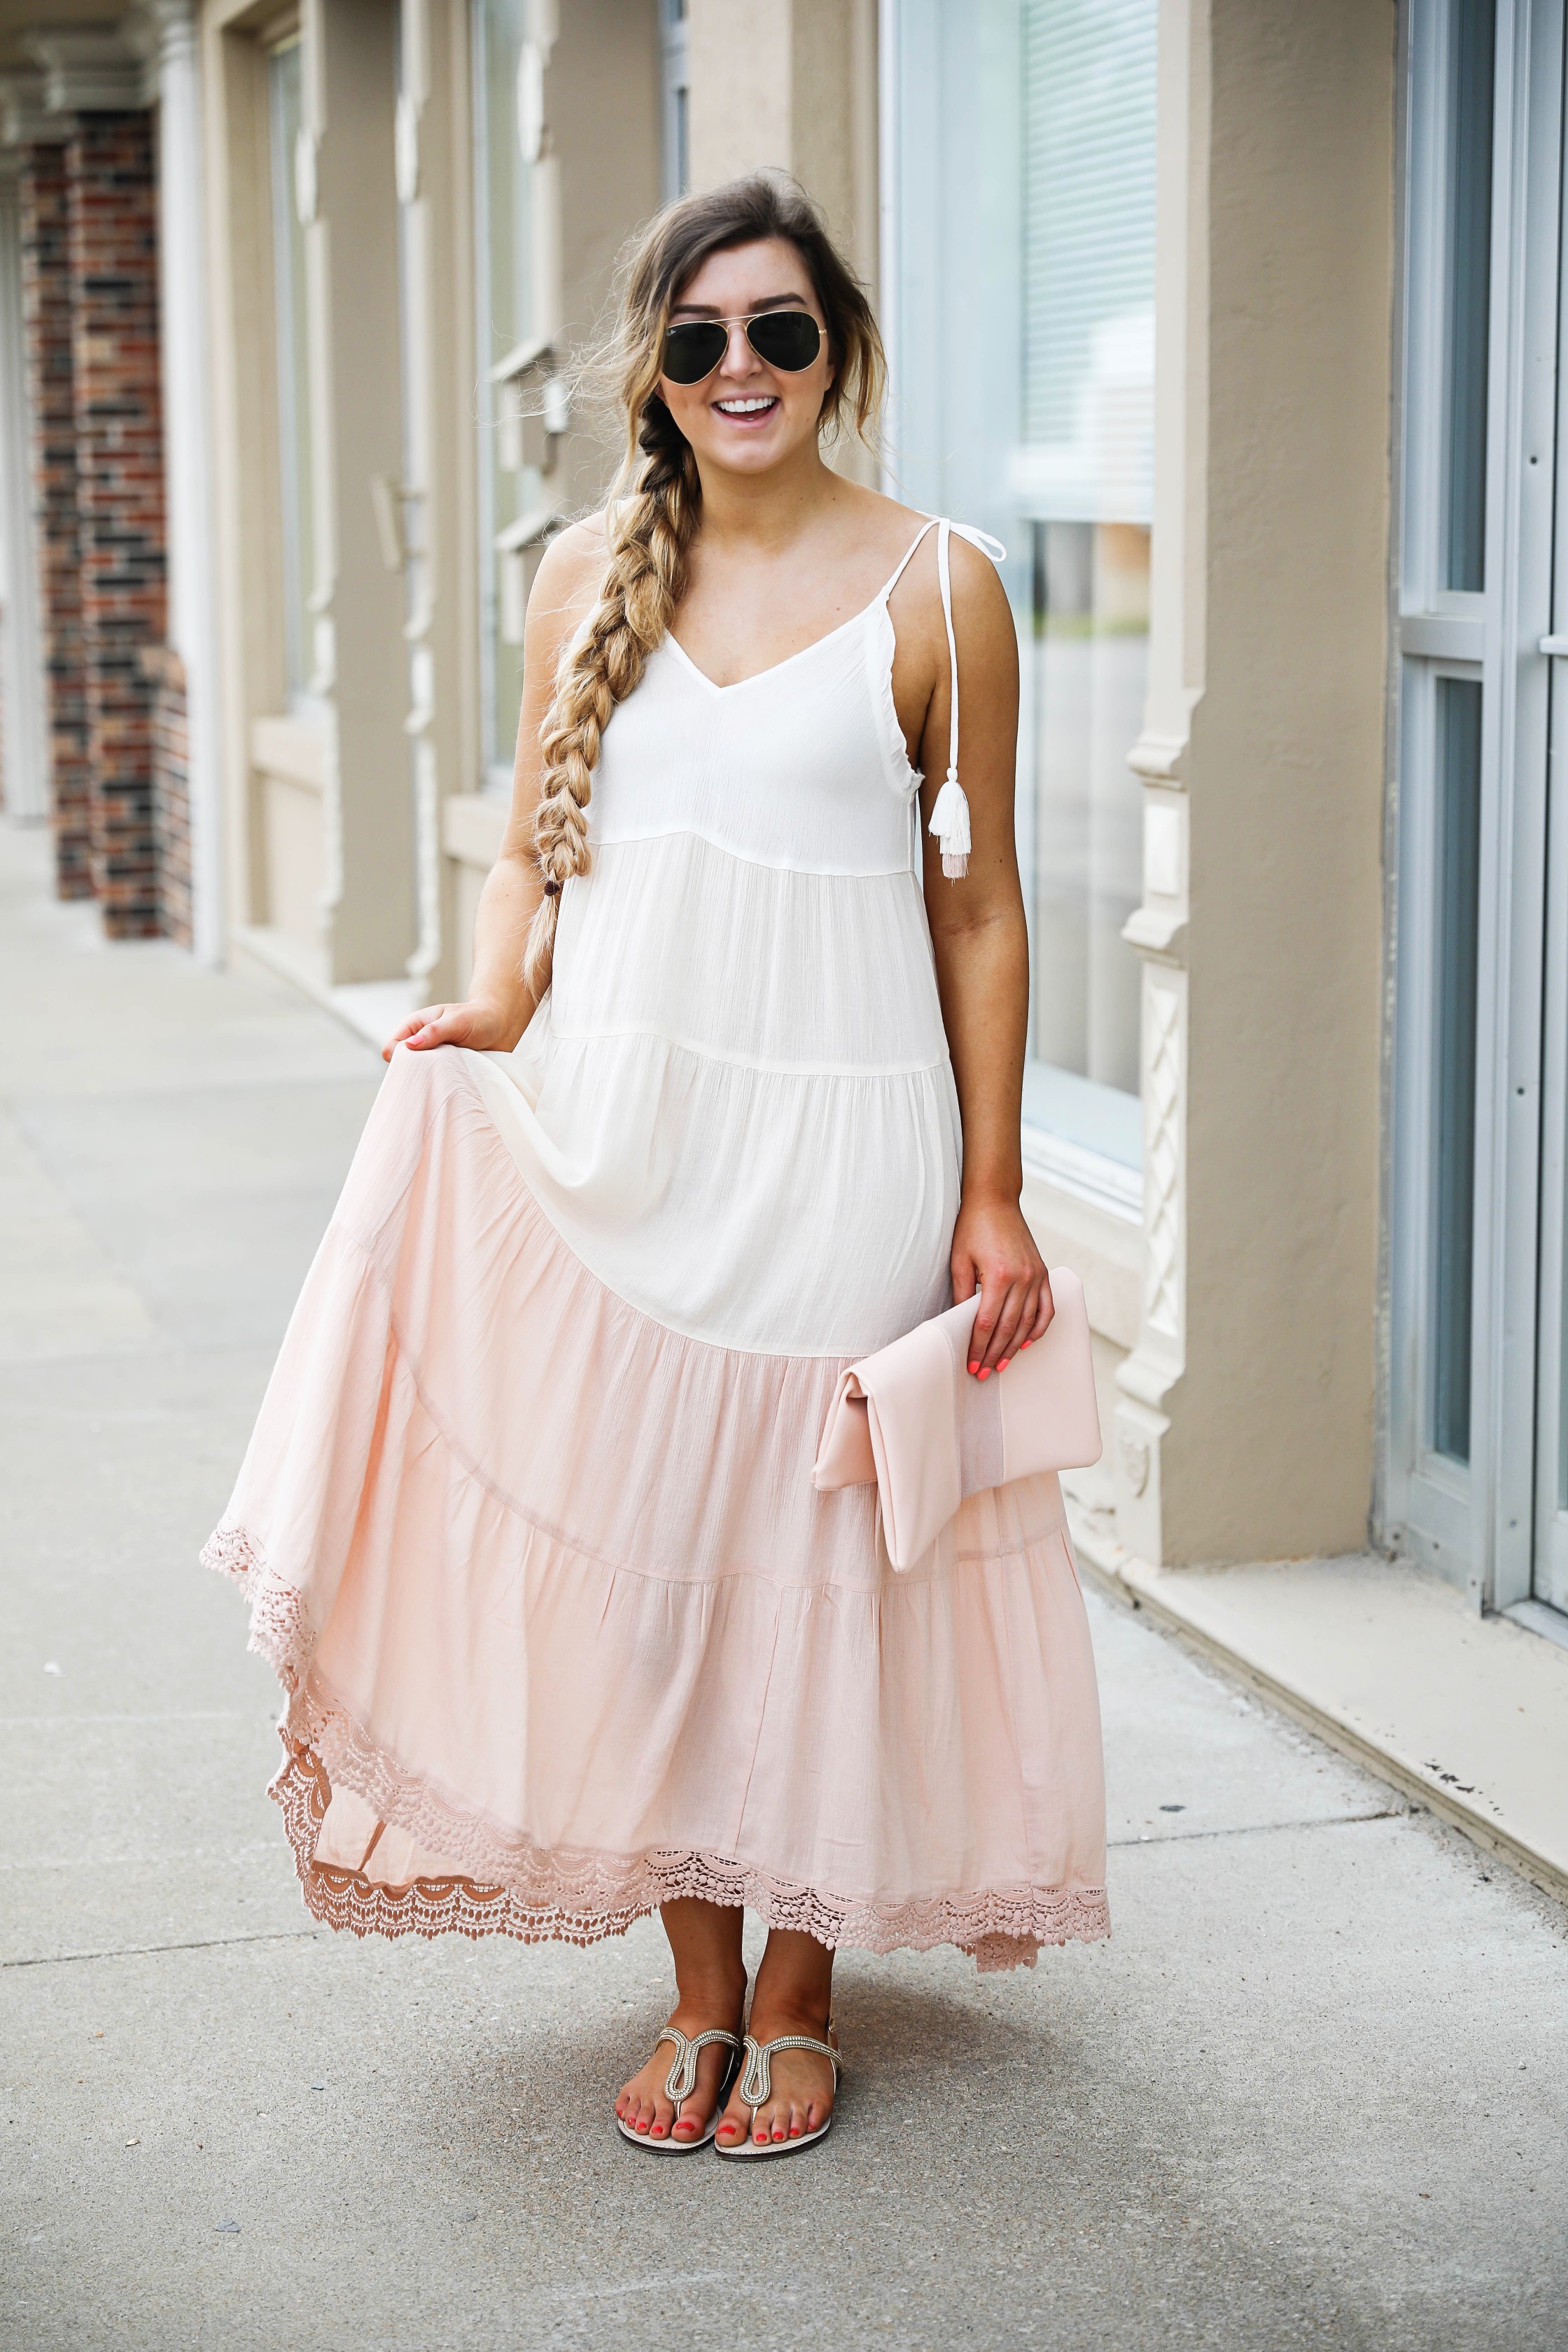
point(488, 1028)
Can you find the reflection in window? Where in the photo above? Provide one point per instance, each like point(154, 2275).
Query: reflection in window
point(504, 240)
point(296, 453)
point(1084, 475)
point(1454, 1124)
point(1024, 359)
point(1089, 657)
point(1472, 36)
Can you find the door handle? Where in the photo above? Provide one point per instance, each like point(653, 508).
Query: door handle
point(1552, 646)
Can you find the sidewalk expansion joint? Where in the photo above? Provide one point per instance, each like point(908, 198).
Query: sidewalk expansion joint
point(1262, 1829)
point(140, 1951)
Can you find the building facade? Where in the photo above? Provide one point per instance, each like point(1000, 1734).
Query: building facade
point(1236, 321)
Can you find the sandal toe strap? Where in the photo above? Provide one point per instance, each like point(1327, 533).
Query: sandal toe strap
point(757, 2081)
point(682, 2080)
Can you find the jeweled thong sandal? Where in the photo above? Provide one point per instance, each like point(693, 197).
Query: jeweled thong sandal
point(679, 2084)
point(755, 2089)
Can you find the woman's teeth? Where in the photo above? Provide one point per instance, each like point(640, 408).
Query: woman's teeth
point(745, 407)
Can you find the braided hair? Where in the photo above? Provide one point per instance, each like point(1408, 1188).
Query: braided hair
point(656, 508)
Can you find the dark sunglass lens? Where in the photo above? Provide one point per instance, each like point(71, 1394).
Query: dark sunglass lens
point(693, 350)
point(789, 339)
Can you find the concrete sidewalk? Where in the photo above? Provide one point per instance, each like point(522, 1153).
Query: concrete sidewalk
point(1311, 2092)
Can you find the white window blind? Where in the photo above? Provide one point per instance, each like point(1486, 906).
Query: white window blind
point(1088, 260)
point(1021, 191)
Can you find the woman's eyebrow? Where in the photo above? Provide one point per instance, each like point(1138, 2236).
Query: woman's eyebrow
point(711, 309)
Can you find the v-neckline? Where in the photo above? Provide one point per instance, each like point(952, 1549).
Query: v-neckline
point(772, 668)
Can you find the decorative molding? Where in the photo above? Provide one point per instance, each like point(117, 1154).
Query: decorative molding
point(1136, 1458)
point(25, 121)
point(1158, 759)
point(1158, 931)
point(94, 69)
point(1163, 1156)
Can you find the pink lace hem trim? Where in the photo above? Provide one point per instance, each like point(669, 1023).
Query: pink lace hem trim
point(512, 1888)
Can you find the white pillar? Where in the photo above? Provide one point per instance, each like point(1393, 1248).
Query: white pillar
point(21, 672)
point(187, 455)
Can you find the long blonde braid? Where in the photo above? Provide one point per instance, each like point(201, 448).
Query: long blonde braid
point(653, 514)
point(650, 533)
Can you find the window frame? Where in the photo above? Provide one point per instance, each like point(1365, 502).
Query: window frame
point(1472, 1524)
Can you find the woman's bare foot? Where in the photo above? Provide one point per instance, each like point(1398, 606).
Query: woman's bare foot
point(644, 2105)
point(711, 1989)
point(794, 1995)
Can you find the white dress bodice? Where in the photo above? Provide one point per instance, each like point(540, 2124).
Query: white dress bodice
point(735, 1103)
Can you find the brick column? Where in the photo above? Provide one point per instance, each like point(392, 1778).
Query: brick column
point(46, 320)
point(171, 791)
point(120, 496)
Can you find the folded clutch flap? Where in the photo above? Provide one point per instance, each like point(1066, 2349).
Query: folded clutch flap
point(909, 1397)
point(913, 1418)
point(845, 1457)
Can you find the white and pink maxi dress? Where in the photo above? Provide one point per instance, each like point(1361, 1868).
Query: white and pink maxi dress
point(527, 1523)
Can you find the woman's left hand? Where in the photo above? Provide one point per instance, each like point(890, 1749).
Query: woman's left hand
point(994, 1252)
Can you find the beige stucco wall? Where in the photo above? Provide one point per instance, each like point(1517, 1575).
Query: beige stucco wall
point(325, 890)
point(602, 96)
point(1247, 1416)
point(791, 83)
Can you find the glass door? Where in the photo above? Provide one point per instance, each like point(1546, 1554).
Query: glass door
point(1549, 1580)
point(1548, 1566)
point(1477, 1476)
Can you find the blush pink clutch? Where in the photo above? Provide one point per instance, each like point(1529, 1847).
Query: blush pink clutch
point(914, 1421)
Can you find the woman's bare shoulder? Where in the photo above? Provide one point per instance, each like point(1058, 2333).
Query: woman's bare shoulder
point(569, 575)
point(979, 599)
point(878, 522)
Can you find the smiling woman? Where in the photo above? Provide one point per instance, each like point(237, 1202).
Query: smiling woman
point(529, 1519)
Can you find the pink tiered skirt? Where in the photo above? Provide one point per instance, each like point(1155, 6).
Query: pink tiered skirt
point(567, 1630)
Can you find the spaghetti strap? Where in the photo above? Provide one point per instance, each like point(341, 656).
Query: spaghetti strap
point(904, 559)
point(949, 817)
point(945, 580)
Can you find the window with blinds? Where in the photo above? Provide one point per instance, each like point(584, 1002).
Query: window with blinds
point(1023, 310)
point(1088, 259)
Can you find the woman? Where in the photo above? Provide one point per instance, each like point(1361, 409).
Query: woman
point(528, 1519)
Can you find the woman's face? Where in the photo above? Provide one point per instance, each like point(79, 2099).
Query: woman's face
point(748, 417)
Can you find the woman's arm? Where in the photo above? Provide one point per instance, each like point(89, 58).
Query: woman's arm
point(982, 947)
point(498, 1007)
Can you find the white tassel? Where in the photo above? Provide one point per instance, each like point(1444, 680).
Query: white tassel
point(950, 824)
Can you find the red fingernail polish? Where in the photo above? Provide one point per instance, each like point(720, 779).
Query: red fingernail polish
point(1004, 1364)
point(985, 1375)
point(974, 1368)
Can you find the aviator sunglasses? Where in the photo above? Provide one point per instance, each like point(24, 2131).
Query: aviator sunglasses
point(786, 339)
